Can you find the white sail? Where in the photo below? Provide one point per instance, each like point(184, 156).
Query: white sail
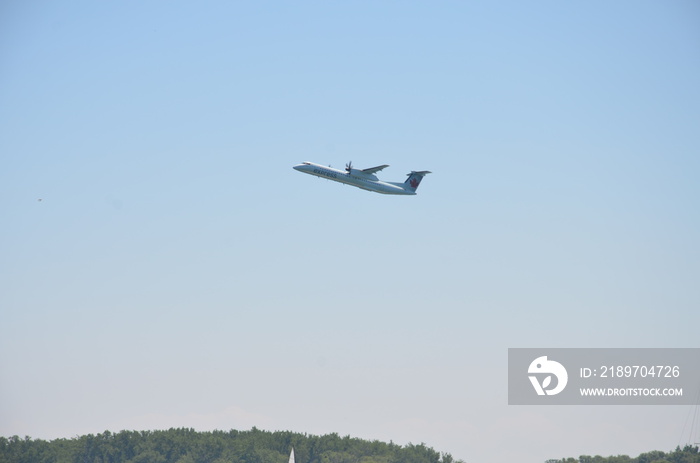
point(291, 456)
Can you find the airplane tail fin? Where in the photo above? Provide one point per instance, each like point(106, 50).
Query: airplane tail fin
point(414, 179)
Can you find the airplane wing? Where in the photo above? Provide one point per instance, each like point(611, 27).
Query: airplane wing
point(374, 170)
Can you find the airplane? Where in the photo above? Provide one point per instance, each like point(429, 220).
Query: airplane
point(365, 178)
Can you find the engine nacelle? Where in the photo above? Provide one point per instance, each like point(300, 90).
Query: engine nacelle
point(361, 174)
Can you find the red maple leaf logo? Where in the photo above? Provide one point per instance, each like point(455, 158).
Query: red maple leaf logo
point(414, 182)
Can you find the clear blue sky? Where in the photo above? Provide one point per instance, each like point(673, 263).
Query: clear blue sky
point(178, 272)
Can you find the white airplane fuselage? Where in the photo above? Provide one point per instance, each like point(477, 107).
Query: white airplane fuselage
point(357, 178)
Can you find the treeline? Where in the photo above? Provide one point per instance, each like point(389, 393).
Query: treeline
point(687, 454)
point(190, 446)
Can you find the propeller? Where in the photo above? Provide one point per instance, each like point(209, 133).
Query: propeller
point(348, 166)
